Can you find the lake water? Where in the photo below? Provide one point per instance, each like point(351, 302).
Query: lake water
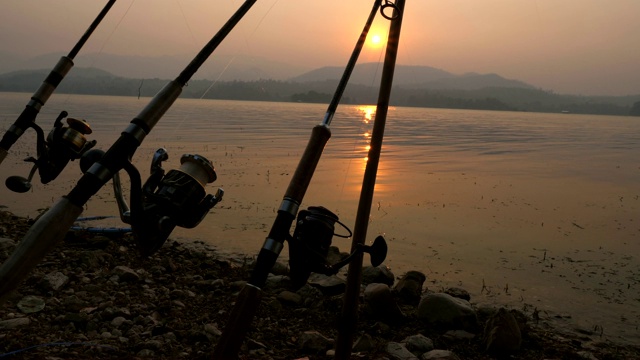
point(536, 211)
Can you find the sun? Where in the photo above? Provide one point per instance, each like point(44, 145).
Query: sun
point(375, 41)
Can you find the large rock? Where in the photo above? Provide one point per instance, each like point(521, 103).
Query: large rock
point(381, 304)
point(459, 293)
point(397, 351)
point(409, 287)
point(334, 255)
point(276, 282)
point(364, 343)
point(418, 344)
point(314, 342)
point(379, 274)
point(502, 332)
point(328, 285)
point(446, 312)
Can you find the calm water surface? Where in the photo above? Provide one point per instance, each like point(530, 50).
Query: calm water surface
point(537, 211)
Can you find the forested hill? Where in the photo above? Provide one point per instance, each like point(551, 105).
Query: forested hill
point(470, 91)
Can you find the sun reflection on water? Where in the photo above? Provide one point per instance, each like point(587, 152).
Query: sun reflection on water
point(368, 113)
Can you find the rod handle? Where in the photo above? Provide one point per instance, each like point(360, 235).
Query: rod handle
point(240, 319)
point(307, 165)
point(39, 240)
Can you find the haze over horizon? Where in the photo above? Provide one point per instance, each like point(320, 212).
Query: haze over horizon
point(575, 46)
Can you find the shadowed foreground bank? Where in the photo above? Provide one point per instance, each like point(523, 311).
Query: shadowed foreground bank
point(94, 297)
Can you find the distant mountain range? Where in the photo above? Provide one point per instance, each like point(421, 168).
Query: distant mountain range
point(245, 68)
point(245, 78)
point(221, 67)
point(413, 77)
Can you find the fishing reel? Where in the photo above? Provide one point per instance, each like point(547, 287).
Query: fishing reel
point(63, 143)
point(166, 200)
point(309, 245)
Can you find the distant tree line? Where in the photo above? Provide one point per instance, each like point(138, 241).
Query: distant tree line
point(95, 82)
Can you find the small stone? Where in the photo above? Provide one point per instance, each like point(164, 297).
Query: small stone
point(291, 298)
point(125, 274)
point(7, 245)
point(31, 304)
point(178, 303)
point(439, 355)
point(146, 353)
point(212, 329)
point(117, 321)
point(14, 323)
point(418, 344)
point(54, 281)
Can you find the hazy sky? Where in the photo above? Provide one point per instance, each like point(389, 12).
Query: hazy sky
point(569, 46)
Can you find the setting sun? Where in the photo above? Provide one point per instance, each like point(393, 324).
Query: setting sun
point(375, 40)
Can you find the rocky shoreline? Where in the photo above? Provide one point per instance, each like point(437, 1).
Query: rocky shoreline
point(95, 297)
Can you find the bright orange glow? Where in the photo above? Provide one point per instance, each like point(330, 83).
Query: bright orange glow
point(375, 40)
point(368, 112)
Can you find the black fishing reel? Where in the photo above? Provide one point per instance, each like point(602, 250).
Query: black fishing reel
point(309, 245)
point(63, 144)
point(177, 198)
point(166, 200)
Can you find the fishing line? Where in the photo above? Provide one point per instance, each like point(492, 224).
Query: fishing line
point(115, 28)
point(184, 17)
point(238, 52)
point(67, 100)
point(224, 70)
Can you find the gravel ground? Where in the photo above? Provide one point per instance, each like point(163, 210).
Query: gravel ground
point(95, 297)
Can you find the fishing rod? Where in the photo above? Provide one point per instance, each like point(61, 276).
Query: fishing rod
point(99, 168)
point(348, 317)
point(309, 245)
point(63, 143)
